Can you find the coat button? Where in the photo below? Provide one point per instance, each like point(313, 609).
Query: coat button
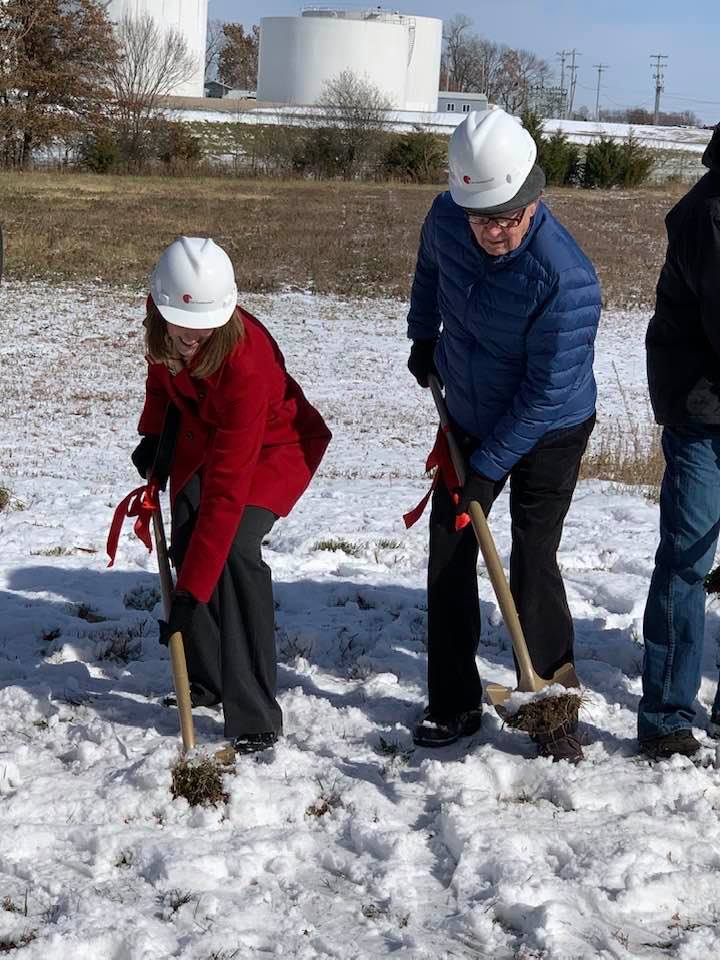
point(201, 394)
point(188, 435)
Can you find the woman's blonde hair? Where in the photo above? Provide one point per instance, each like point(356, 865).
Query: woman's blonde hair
point(209, 358)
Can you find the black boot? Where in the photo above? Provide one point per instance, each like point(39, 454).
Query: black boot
point(681, 741)
point(432, 731)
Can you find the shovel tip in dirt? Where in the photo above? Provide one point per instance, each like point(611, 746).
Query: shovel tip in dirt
point(542, 711)
point(197, 776)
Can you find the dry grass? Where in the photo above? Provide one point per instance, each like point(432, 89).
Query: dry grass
point(199, 782)
point(628, 457)
point(623, 233)
point(344, 238)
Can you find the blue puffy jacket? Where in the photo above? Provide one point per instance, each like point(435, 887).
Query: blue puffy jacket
point(516, 346)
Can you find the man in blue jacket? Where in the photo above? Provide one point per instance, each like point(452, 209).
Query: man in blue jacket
point(504, 308)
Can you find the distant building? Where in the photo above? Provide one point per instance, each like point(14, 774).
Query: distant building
point(215, 89)
point(450, 102)
point(397, 53)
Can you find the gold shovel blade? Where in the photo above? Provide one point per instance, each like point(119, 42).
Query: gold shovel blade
point(498, 695)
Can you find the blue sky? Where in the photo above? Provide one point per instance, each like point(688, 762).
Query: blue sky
point(621, 33)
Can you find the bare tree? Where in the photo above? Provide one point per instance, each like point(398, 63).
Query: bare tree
point(460, 56)
point(353, 120)
point(152, 63)
point(473, 64)
point(213, 47)
point(519, 72)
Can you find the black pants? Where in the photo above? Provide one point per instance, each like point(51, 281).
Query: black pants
point(231, 649)
point(541, 488)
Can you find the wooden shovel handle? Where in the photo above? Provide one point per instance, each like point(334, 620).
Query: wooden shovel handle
point(177, 650)
point(182, 691)
point(528, 679)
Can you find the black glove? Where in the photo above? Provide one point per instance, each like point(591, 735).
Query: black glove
point(182, 614)
point(478, 488)
point(143, 456)
point(421, 363)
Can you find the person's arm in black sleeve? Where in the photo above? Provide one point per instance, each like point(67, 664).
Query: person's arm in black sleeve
point(709, 277)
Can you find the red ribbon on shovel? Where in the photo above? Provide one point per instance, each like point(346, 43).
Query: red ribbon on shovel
point(141, 503)
point(440, 461)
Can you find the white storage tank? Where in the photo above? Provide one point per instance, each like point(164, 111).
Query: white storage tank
point(398, 54)
point(189, 17)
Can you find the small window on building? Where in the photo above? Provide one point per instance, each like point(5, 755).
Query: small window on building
point(450, 106)
point(466, 108)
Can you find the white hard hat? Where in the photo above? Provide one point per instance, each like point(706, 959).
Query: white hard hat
point(491, 158)
point(193, 284)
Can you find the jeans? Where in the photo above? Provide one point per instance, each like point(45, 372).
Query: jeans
point(541, 488)
point(674, 623)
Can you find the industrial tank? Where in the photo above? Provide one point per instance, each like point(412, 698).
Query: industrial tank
point(398, 54)
point(189, 17)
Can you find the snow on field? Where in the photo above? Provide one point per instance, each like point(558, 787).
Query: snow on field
point(685, 139)
point(345, 842)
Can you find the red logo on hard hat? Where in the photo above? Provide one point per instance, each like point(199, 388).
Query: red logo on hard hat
point(187, 298)
point(467, 179)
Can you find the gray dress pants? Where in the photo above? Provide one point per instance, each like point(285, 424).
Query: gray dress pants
point(230, 651)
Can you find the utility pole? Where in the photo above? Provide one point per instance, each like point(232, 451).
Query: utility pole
point(563, 55)
point(600, 67)
point(573, 80)
point(658, 77)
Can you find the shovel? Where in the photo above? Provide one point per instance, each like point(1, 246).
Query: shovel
point(175, 645)
point(158, 480)
point(528, 680)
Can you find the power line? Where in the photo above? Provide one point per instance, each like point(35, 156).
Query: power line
point(600, 67)
point(659, 79)
point(562, 56)
point(573, 79)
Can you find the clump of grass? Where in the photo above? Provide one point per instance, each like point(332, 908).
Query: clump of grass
point(86, 613)
point(329, 799)
point(339, 544)
point(120, 646)
point(10, 906)
point(395, 750)
point(4, 498)
point(199, 782)
point(546, 714)
point(8, 944)
point(143, 597)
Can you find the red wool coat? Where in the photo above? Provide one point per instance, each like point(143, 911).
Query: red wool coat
point(251, 431)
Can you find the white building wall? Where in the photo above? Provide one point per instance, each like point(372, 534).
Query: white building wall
point(298, 55)
point(187, 16)
point(423, 73)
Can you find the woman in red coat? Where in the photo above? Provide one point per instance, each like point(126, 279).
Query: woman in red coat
point(247, 445)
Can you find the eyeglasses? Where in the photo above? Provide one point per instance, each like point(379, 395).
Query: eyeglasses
point(512, 219)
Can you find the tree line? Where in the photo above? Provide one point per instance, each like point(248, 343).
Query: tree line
point(70, 81)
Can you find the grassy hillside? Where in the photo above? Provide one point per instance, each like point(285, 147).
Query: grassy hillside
point(342, 238)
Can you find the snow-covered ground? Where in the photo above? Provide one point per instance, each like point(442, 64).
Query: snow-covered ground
point(685, 139)
point(344, 842)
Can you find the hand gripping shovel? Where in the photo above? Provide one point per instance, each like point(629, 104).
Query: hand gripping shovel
point(528, 680)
